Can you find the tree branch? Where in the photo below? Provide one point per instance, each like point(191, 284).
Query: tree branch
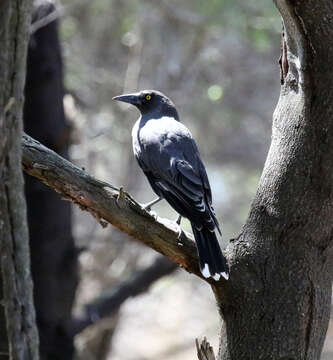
point(108, 303)
point(116, 207)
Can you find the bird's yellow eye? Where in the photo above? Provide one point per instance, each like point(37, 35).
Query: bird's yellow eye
point(148, 97)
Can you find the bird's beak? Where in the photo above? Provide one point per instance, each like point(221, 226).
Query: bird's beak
point(133, 99)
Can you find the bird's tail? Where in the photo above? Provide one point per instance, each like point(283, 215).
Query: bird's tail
point(212, 262)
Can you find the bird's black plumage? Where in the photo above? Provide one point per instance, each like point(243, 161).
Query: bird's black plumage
point(170, 159)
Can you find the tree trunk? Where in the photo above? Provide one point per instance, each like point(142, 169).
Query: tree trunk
point(277, 302)
point(15, 258)
point(53, 253)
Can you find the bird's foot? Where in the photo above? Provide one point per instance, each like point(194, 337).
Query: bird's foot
point(148, 205)
point(153, 214)
point(179, 230)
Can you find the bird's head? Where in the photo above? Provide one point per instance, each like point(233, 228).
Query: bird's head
point(151, 103)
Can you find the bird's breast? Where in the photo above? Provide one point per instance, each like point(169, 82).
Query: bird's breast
point(135, 139)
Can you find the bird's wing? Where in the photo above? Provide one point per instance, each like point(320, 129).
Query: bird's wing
point(172, 164)
point(150, 177)
point(190, 188)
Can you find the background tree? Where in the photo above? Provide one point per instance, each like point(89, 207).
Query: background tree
point(18, 333)
point(53, 253)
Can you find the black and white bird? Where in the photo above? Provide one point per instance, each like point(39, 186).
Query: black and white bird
point(169, 157)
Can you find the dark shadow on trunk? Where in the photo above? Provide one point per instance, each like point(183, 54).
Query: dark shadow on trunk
point(53, 253)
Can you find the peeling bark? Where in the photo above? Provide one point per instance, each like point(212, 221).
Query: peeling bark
point(55, 277)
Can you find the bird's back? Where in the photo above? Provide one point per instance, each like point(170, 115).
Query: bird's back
point(163, 139)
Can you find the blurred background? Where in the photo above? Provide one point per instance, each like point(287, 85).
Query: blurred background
point(218, 61)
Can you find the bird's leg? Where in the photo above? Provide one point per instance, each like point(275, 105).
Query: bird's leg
point(148, 206)
point(179, 229)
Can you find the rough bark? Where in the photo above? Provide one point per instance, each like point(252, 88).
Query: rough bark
point(15, 263)
point(53, 253)
point(277, 302)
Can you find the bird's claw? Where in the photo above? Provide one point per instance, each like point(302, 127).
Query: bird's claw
point(179, 230)
point(153, 214)
point(146, 207)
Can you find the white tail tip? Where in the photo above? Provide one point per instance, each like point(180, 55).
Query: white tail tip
point(225, 275)
point(205, 271)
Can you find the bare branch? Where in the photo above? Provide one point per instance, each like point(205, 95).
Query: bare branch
point(46, 20)
point(114, 207)
point(49, 12)
point(110, 302)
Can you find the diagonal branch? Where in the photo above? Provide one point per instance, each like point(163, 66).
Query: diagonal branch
point(108, 206)
point(110, 301)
